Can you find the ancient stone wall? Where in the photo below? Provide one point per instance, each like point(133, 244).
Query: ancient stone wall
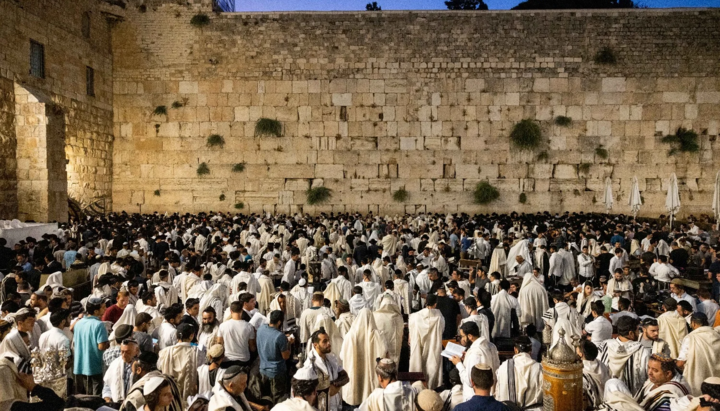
point(65, 147)
point(425, 101)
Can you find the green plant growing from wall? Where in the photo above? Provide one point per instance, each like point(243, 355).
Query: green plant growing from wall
point(215, 140)
point(238, 168)
point(526, 135)
point(222, 197)
point(523, 198)
point(576, 192)
point(584, 168)
point(318, 195)
point(401, 195)
point(601, 152)
point(683, 141)
point(563, 121)
point(606, 55)
point(543, 156)
point(176, 104)
point(160, 111)
point(203, 169)
point(485, 193)
point(200, 20)
point(268, 127)
point(157, 193)
point(239, 206)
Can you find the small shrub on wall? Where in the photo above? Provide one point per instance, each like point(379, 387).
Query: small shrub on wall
point(268, 127)
point(485, 193)
point(200, 20)
point(526, 135)
point(203, 169)
point(683, 141)
point(318, 195)
point(400, 196)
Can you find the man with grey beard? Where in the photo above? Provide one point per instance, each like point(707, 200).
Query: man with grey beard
point(209, 328)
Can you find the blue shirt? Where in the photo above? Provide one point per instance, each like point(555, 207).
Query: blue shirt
point(477, 403)
point(467, 242)
point(89, 332)
point(270, 345)
point(69, 258)
point(27, 267)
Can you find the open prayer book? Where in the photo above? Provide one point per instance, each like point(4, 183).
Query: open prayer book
point(258, 319)
point(452, 349)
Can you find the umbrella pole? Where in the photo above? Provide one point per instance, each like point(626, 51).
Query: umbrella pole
point(671, 221)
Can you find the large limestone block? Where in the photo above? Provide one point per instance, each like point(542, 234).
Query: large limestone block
point(328, 170)
point(420, 171)
point(613, 84)
point(565, 171)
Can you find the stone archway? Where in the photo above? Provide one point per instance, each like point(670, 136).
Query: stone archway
point(41, 172)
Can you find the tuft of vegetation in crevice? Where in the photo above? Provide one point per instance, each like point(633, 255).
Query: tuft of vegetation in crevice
point(576, 192)
point(176, 104)
point(222, 197)
point(203, 169)
point(238, 168)
point(523, 198)
point(318, 195)
point(401, 195)
point(268, 127)
point(584, 168)
point(157, 193)
point(683, 141)
point(200, 20)
point(563, 121)
point(543, 156)
point(526, 135)
point(160, 111)
point(605, 55)
point(215, 140)
point(601, 152)
point(239, 206)
point(485, 193)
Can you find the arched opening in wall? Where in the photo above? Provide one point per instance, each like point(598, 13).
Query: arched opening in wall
point(40, 155)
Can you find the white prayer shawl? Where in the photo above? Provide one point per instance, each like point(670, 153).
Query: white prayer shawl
point(332, 293)
point(264, 297)
point(626, 361)
point(403, 289)
point(396, 396)
point(498, 261)
point(389, 243)
point(181, 361)
point(215, 297)
point(672, 328)
point(651, 398)
point(533, 300)
point(519, 249)
point(422, 280)
point(293, 308)
point(344, 287)
point(302, 295)
point(482, 322)
point(221, 400)
point(166, 295)
point(389, 321)
point(127, 318)
point(157, 319)
point(568, 266)
point(371, 291)
point(307, 322)
point(617, 397)
point(329, 367)
point(292, 404)
point(253, 287)
point(584, 304)
point(703, 357)
point(480, 351)
point(568, 320)
point(528, 381)
point(361, 346)
point(500, 306)
point(115, 379)
point(389, 295)
point(12, 391)
point(344, 322)
point(166, 335)
point(595, 374)
point(13, 346)
point(425, 329)
point(206, 339)
point(336, 339)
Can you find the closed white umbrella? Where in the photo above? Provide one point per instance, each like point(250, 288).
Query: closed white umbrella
point(635, 201)
point(608, 199)
point(716, 199)
point(672, 201)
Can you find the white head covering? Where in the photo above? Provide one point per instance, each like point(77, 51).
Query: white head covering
point(152, 384)
point(618, 397)
point(306, 373)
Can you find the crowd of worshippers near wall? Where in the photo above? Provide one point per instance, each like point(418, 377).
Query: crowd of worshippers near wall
point(429, 312)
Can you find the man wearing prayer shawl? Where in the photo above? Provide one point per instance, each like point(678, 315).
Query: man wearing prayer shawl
point(361, 346)
point(325, 323)
point(301, 293)
point(308, 317)
point(625, 356)
point(181, 361)
point(563, 316)
point(617, 397)
point(502, 305)
point(672, 327)
point(595, 374)
point(425, 329)
point(498, 261)
point(471, 306)
point(289, 304)
point(144, 371)
point(344, 317)
point(331, 375)
point(533, 300)
point(389, 321)
point(391, 395)
point(479, 351)
point(264, 297)
point(343, 284)
point(371, 289)
point(699, 356)
point(519, 379)
point(358, 302)
point(118, 377)
point(304, 386)
point(664, 384)
point(228, 394)
point(166, 294)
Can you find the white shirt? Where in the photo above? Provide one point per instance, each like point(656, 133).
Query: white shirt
point(600, 329)
point(556, 265)
point(687, 297)
point(585, 264)
point(709, 308)
point(54, 339)
point(663, 272)
point(166, 335)
point(236, 335)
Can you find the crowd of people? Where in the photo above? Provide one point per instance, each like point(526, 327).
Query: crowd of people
point(342, 311)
